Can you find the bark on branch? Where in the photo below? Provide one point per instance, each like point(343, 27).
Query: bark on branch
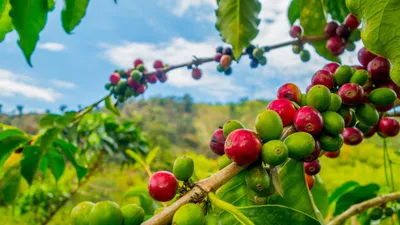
point(361, 207)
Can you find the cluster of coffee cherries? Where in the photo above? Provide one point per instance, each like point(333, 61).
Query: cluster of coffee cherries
point(224, 57)
point(106, 212)
point(163, 186)
point(342, 36)
point(134, 82)
point(256, 56)
point(379, 213)
point(297, 32)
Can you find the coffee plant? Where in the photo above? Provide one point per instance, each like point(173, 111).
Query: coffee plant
point(269, 174)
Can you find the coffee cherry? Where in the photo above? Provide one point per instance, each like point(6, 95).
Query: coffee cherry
point(300, 145)
point(274, 152)
point(350, 46)
point(330, 28)
point(332, 155)
point(133, 214)
point(296, 49)
point(390, 84)
point(258, 53)
point(351, 21)
point(219, 49)
point(388, 127)
point(249, 50)
point(310, 181)
point(308, 89)
point(335, 102)
point(343, 31)
point(105, 212)
point(152, 79)
point(196, 73)
point(375, 214)
point(162, 186)
point(284, 108)
point(351, 94)
point(137, 62)
point(330, 143)
point(331, 67)
point(220, 68)
point(217, 57)
point(140, 90)
point(257, 179)
point(358, 67)
point(189, 214)
point(269, 125)
point(263, 61)
point(312, 168)
point(223, 162)
point(388, 211)
point(367, 114)
point(323, 77)
point(355, 35)
point(384, 108)
point(379, 68)
point(157, 64)
point(335, 45)
point(163, 77)
point(352, 136)
point(254, 63)
point(243, 146)
point(315, 154)
point(227, 51)
point(228, 71)
point(305, 55)
point(365, 56)
point(132, 83)
point(114, 78)
point(79, 214)
point(308, 119)
point(290, 92)
point(371, 132)
point(230, 126)
point(295, 31)
point(226, 61)
point(333, 123)
point(183, 168)
point(319, 97)
point(217, 142)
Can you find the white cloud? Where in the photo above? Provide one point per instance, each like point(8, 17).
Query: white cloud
point(181, 7)
point(52, 46)
point(176, 51)
point(63, 84)
point(12, 85)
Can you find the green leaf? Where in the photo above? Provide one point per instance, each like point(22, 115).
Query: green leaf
point(136, 157)
point(110, 106)
point(237, 22)
point(341, 190)
point(296, 193)
point(30, 162)
point(136, 191)
point(69, 151)
point(10, 182)
point(56, 163)
point(320, 196)
point(276, 180)
point(5, 20)
point(73, 13)
point(11, 132)
point(380, 28)
point(47, 138)
point(51, 4)
point(147, 203)
point(313, 21)
point(11, 143)
point(355, 196)
point(294, 11)
point(29, 18)
point(152, 155)
point(337, 9)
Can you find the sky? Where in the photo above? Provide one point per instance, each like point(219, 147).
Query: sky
point(72, 69)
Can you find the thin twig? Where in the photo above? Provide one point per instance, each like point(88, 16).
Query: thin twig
point(199, 192)
point(361, 207)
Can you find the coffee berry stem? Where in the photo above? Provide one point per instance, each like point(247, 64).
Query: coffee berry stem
point(203, 187)
point(361, 207)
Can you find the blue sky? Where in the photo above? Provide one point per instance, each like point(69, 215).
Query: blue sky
point(72, 69)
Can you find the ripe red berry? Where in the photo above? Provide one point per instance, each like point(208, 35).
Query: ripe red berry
point(196, 73)
point(351, 21)
point(157, 64)
point(390, 84)
point(284, 108)
point(343, 31)
point(308, 119)
point(371, 132)
point(128, 72)
point(312, 168)
point(163, 77)
point(217, 57)
point(295, 31)
point(335, 45)
point(384, 108)
point(351, 93)
point(137, 62)
point(310, 181)
point(152, 79)
point(132, 83)
point(379, 68)
point(357, 67)
point(330, 28)
point(323, 77)
point(388, 127)
point(162, 186)
point(332, 155)
point(315, 154)
point(365, 56)
point(242, 146)
point(290, 92)
point(352, 136)
point(331, 67)
point(140, 90)
point(309, 87)
point(114, 78)
point(217, 142)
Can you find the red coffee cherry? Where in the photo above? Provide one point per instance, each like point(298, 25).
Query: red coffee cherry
point(352, 136)
point(308, 119)
point(196, 73)
point(290, 92)
point(351, 93)
point(243, 146)
point(217, 142)
point(331, 67)
point(388, 127)
point(365, 56)
point(114, 78)
point(157, 64)
point(351, 21)
point(332, 155)
point(284, 108)
point(162, 186)
point(312, 168)
point(137, 62)
point(323, 77)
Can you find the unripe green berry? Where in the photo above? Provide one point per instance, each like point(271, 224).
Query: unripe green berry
point(263, 61)
point(296, 49)
point(140, 67)
point(220, 68)
point(258, 53)
point(305, 55)
point(183, 168)
point(136, 75)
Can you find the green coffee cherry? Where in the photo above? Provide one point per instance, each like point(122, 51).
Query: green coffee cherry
point(189, 214)
point(133, 214)
point(183, 168)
